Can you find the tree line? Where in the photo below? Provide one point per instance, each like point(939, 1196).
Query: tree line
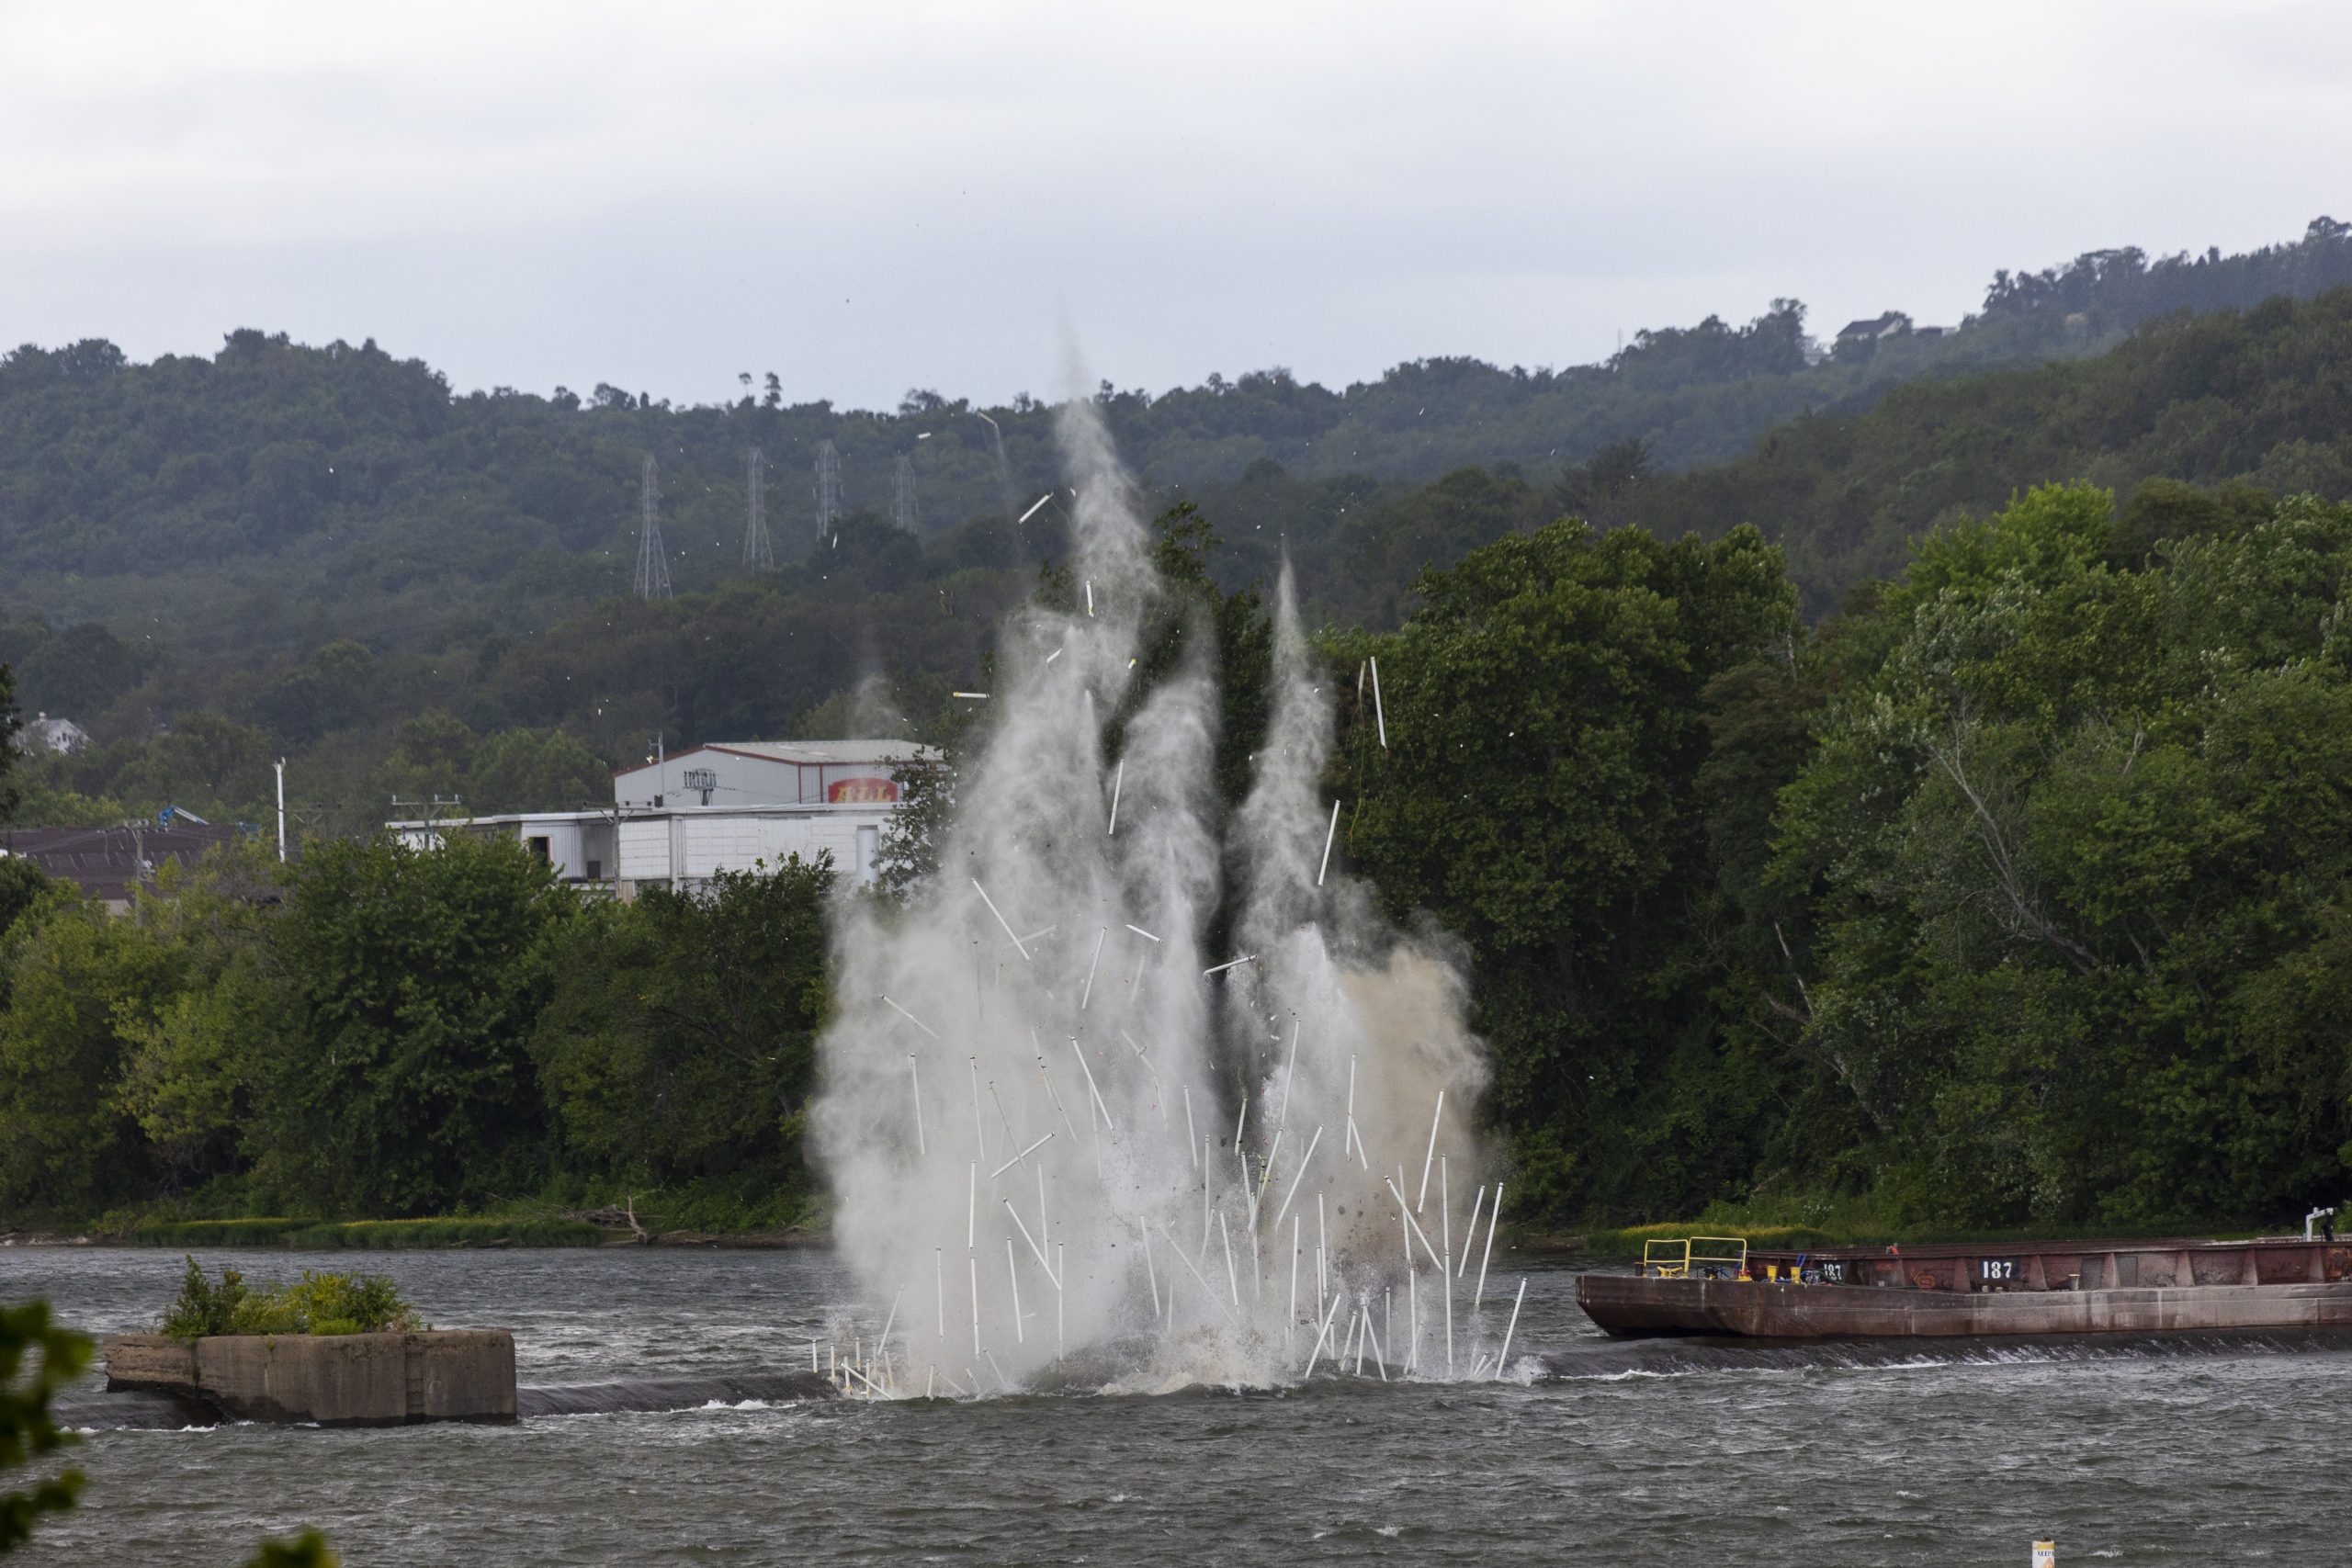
point(2015, 893)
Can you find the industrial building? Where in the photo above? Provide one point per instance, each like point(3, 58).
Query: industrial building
point(679, 819)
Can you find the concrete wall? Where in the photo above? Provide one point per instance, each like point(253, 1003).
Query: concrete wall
point(692, 846)
point(344, 1380)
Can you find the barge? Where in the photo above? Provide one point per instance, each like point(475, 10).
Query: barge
point(1717, 1287)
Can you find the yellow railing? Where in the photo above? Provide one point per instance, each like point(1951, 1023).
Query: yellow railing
point(1677, 1258)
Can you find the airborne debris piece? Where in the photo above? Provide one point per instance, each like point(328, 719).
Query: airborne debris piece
point(1000, 918)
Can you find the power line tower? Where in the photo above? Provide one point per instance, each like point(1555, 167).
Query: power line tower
point(653, 561)
point(829, 489)
point(902, 493)
point(759, 552)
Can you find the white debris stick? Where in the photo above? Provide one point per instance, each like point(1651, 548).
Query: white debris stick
point(1013, 1271)
point(1326, 1333)
point(1117, 779)
point(1143, 933)
point(1199, 1277)
point(1141, 1057)
point(1502, 1362)
point(979, 1130)
point(1329, 834)
point(916, 1072)
point(1378, 711)
point(1034, 507)
point(1470, 1237)
point(1487, 1256)
point(1080, 1052)
point(1088, 994)
point(999, 917)
point(1051, 1092)
point(1290, 1071)
point(1230, 964)
point(1421, 1201)
point(1016, 1159)
point(1297, 1176)
point(1032, 1240)
point(913, 1019)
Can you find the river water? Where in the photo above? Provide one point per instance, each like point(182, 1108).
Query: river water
point(1656, 1455)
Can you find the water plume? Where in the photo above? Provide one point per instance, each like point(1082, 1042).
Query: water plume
point(1068, 1141)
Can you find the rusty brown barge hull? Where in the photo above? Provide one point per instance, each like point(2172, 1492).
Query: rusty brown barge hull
point(2021, 1289)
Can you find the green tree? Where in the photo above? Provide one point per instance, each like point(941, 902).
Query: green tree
point(1547, 720)
point(79, 983)
point(680, 1043)
point(418, 975)
point(535, 769)
point(2078, 837)
point(36, 1359)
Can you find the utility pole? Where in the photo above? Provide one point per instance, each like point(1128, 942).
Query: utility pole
point(759, 552)
point(829, 489)
point(653, 561)
point(902, 493)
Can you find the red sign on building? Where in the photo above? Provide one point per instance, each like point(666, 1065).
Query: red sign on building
point(862, 791)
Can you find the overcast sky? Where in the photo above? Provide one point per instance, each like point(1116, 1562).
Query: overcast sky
point(866, 197)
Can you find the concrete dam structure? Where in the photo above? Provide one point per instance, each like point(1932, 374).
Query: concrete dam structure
point(336, 1380)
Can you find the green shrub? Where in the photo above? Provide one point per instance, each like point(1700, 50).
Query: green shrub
point(317, 1304)
point(202, 1308)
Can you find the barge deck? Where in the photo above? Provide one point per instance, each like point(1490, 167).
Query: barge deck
point(2156, 1287)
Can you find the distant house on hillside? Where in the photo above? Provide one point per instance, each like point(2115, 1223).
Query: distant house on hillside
point(680, 819)
point(1892, 324)
point(42, 733)
point(108, 863)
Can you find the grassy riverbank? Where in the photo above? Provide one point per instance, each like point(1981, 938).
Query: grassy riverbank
point(220, 1215)
point(1829, 1226)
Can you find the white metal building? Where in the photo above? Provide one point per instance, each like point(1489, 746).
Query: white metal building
point(679, 820)
point(768, 773)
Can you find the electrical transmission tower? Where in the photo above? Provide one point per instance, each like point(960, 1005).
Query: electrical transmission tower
point(759, 553)
point(902, 494)
point(653, 561)
point(829, 489)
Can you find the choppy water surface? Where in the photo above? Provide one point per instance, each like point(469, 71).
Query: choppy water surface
point(1659, 1456)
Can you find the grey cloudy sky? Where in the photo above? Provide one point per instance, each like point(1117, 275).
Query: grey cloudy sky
point(872, 197)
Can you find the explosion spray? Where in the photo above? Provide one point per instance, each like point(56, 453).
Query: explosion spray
point(1154, 1111)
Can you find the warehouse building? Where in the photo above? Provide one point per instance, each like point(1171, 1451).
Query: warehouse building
point(678, 820)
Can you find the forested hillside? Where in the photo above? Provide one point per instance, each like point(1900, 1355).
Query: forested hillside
point(2261, 396)
point(275, 497)
point(512, 716)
